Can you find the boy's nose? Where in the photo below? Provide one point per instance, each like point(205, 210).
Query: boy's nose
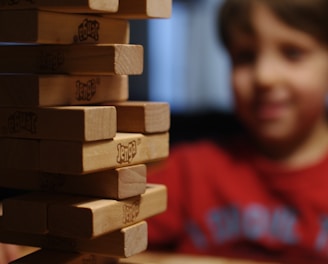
point(266, 72)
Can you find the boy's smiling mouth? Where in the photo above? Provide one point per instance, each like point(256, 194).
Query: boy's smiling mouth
point(270, 110)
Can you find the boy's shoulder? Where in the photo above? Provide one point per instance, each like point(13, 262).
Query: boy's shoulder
point(207, 150)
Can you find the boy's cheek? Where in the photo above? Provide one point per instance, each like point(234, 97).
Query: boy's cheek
point(242, 79)
point(241, 76)
point(242, 87)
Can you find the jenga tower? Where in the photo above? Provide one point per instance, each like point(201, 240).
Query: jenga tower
point(70, 137)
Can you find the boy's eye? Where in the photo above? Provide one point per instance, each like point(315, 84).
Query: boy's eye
point(243, 57)
point(292, 53)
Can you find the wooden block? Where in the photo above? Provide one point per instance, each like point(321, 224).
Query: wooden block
point(79, 216)
point(142, 117)
point(76, 123)
point(130, 9)
point(59, 90)
point(83, 123)
point(62, 257)
point(73, 157)
point(120, 183)
point(33, 26)
point(28, 212)
point(122, 243)
point(100, 59)
point(70, 6)
point(19, 153)
point(125, 149)
point(144, 9)
point(86, 218)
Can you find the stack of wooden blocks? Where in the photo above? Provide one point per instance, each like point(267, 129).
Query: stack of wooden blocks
point(70, 137)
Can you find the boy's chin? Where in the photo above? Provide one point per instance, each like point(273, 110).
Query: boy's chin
point(273, 136)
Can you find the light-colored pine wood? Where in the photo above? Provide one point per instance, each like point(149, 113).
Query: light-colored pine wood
point(62, 257)
point(86, 218)
point(120, 183)
point(69, 6)
point(73, 157)
point(33, 26)
point(76, 123)
point(122, 243)
point(142, 117)
point(19, 153)
point(81, 158)
point(144, 9)
point(59, 90)
point(100, 59)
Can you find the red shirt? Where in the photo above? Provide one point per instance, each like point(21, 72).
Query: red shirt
point(230, 202)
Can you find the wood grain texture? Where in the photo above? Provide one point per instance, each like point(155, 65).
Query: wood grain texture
point(125, 149)
point(116, 184)
point(69, 6)
point(100, 59)
point(33, 26)
point(60, 90)
point(76, 123)
point(142, 117)
point(87, 218)
point(122, 243)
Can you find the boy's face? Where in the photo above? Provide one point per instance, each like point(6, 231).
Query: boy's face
point(280, 79)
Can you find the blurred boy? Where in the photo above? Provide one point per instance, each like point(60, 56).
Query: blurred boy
point(264, 193)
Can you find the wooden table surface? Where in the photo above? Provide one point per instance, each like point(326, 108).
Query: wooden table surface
point(163, 258)
point(166, 258)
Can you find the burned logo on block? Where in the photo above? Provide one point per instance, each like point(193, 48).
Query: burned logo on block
point(51, 60)
point(86, 90)
point(22, 121)
point(131, 211)
point(126, 153)
point(88, 29)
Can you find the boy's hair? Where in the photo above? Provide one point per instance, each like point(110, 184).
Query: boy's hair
point(310, 16)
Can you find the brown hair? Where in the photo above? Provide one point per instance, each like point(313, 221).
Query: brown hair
point(310, 16)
